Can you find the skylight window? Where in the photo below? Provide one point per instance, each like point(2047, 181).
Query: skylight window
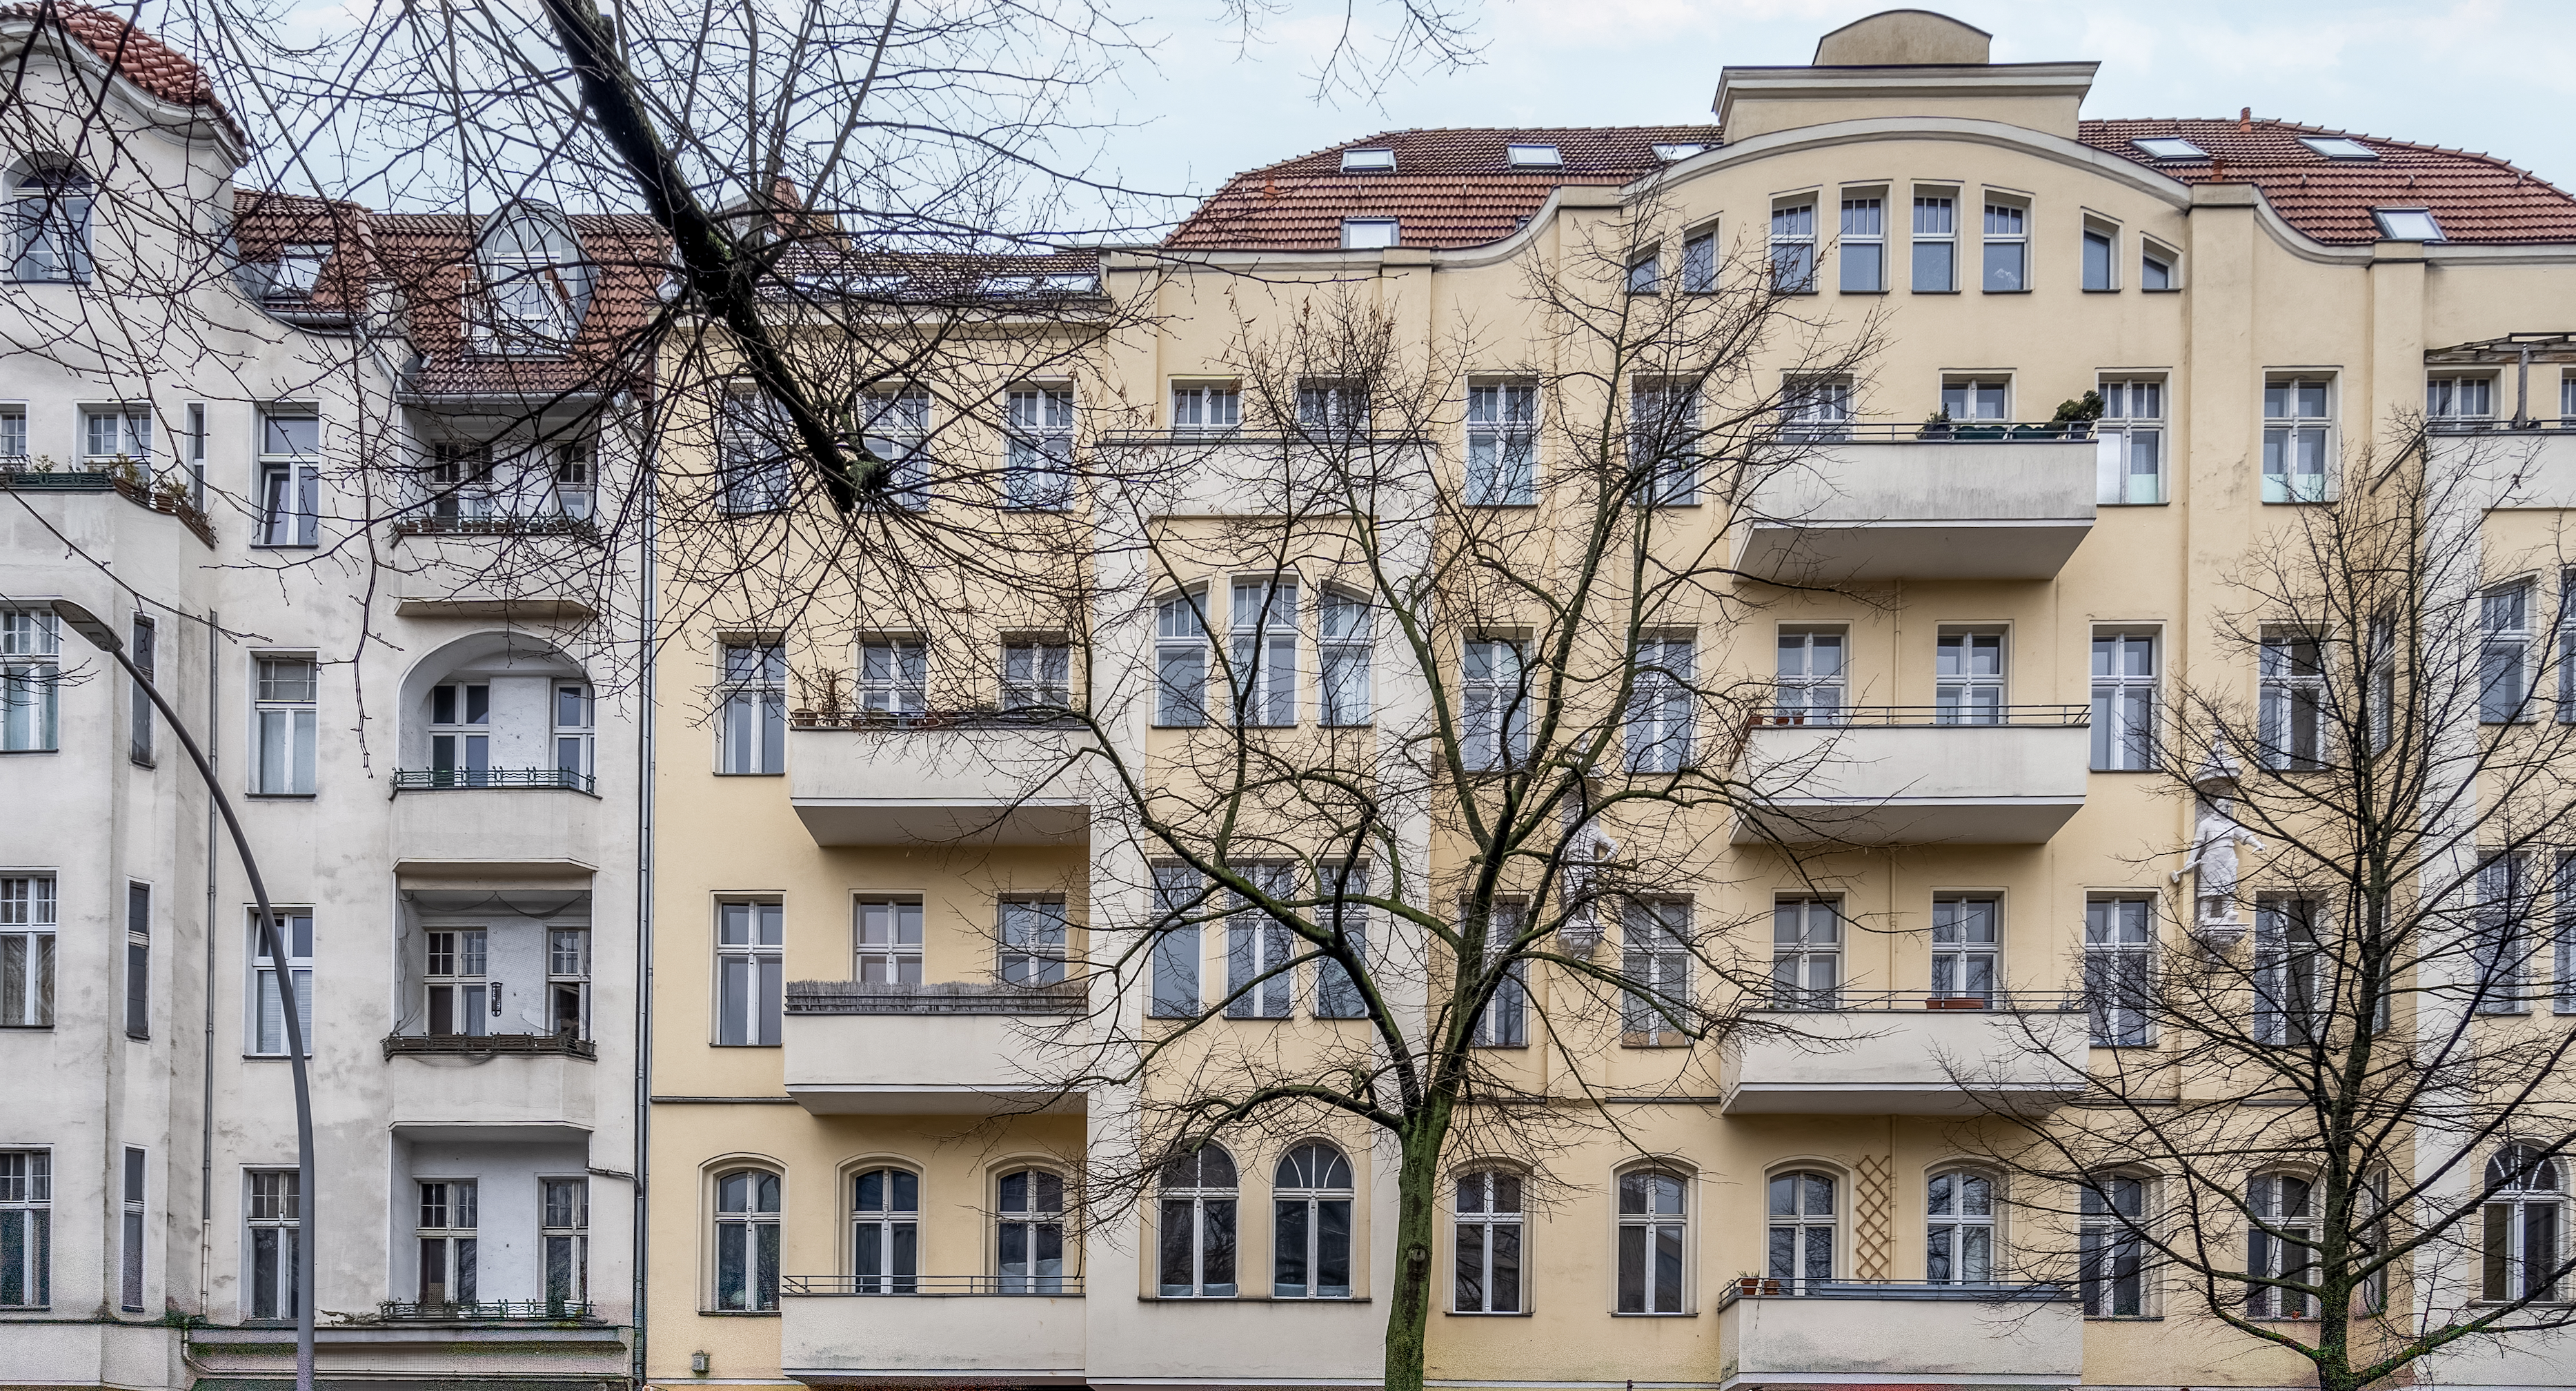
point(1368, 233)
point(2169, 147)
point(1011, 285)
point(2336, 147)
point(1368, 159)
point(2407, 224)
point(1669, 153)
point(1534, 156)
point(299, 270)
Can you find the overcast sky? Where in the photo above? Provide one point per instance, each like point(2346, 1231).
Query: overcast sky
point(2491, 75)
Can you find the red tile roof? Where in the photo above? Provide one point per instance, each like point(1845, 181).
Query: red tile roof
point(1453, 188)
point(429, 259)
point(137, 56)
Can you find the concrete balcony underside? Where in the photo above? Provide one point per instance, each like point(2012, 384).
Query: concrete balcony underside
point(1848, 1333)
point(1922, 509)
point(1916, 783)
point(945, 1340)
point(998, 785)
point(2024, 1057)
point(940, 1049)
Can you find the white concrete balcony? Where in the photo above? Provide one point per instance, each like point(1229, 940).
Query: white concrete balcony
point(1840, 1333)
point(928, 1050)
point(536, 1083)
point(966, 778)
point(972, 1330)
point(1241, 473)
point(2530, 466)
point(1987, 501)
point(539, 569)
point(1843, 1053)
point(501, 821)
point(1917, 775)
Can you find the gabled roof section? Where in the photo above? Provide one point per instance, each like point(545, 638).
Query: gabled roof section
point(131, 53)
point(429, 258)
point(1450, 188)
point(2477, 199)
point(266, 223)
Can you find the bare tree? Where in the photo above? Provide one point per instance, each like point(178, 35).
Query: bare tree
point(2340, 1138)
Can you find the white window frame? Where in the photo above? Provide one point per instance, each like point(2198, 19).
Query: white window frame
point(455, 984)
point(2157, 261)
point(885, 1236)
point(1504, 1021)
point(751, 729)
point(1207, 407)
point(2295, 437)
point(2290, 966)
point(1662, 706)
point(130, 1230)
point(13, 436)
point(1965, 399)
point(49, 236)
point(893, 680)
point(2292, 735)
point(290, 481)
point(1964, 691)
point(1793, 245)
point(1037, 463)
point(114, 436)
point(2125, 700)
point(749, 1225)
point(1181, 659)
point(1345, 658)
point(2507, 647)
point(1371, 233)
point(1936, 230)
point(1502, 442)
point(1036, 934)
point(1699, 260)
point(1258, 948)
point(2119, 968)
point(1184, 1195)
point(1303, 1193)
point(2106, 1238)
point(1663, 440)
point(1263, 614)
point(1802, 694)
point(1963, 1237)
point(2515, 1207)
point(1174, 992)
point(1654, 943)
point(1037, 674)
point(1653, 1217)
point(886, 939)
point(563, 1224)
point(1494, 704)
point(896, 429)
point(1863, 245)
point(2459, 396)
point(1967, 946)
point(31, 645)
point(460, 745)
point(1028, 1209)
point(568, 980)
point(1646, 270)
point(2003, 261)
point(576, 736)
point(2286, 1203)
point(750, 989)
point(273, 1217)
point(1815, 409)
point(447, 1240)
point(1489, 1237)
point(29, 917)
point(264, 1024)
point(753, 468)
point(1807, 970)
point(26, 1228)
point(2130, 452)
point(284, 724)
point(2106, 236)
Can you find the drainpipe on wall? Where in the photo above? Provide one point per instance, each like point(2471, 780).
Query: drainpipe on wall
point(206, 1116)
point(648, 616)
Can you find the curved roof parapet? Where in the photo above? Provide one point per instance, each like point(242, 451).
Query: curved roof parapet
point(1904, 38)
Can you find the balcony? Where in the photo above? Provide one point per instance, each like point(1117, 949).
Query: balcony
point(960, 1049)
point(435, 779)
point(1987, 501)
point(530, 1087)
point(169, 497)
point(1917, 775)
point(947, 778)
point(511, 821)
point(488, 1046)
point(1909, 1054)
point(948, 1331)
point(531, 1311)
point(2529, 466)
point(1837, 1333)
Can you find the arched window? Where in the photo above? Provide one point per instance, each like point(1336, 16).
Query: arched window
point(1802, 1226)
point(1311, 1236)
point(2525, 1225)
point(2280, 1245)
point(747, 1240)
point(2111, 1254)
point(1960, 1248)
point(1654, 1231)
point(1198, 1225)
point(1489, 1243)
point(885, 1231)
point(49, 206)
point(1030, 1233)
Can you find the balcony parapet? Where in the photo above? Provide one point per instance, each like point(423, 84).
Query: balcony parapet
point(1036, 717)
point(1982, 500)
point(1828, 1335)
point(167, 499)
point(1911, 1001)
point(488, 1311)
point(1916, 775)
point(1911, 1054)
point(444, 779)
point(557, 525)
point(1973, 1291)
point(489, 1046)
point(898, 1286)
point(937, 997)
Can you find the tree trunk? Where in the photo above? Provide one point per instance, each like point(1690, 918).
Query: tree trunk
point(1417, 1214)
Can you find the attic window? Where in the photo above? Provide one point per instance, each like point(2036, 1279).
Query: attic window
point(1368, 159)
point(2169, 147)
point(2407, 224)
point(1534, 156)
point(1368, 233)
point(2336, 147)
point(1670, 153)
point(1003, 286)
point(299, 269)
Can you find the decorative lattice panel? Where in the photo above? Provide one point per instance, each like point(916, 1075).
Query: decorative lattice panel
point(1874, 1219)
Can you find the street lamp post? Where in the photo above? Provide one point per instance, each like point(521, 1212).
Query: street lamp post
point(104, 638)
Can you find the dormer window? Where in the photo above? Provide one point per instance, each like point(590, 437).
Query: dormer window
point(299, 271)
point(2406, 224)
point(1533, 156)
point(48, 231)
point(1368, 233)
point(2170, 147)
point(1018, 286)
point(535, 283)
point(1670, 153)
point(2336, 147)
point(1373, 161)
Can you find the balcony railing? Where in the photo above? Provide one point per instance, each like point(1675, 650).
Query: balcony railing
point(1901, 716)
point(538, 525)
point(1243, 439)
point(1028, 717)
point(941, 997)
point(437, 779)
point(2499, 426)
point(1941, 431)
point(1900, 1001)
point(170, 499)
point(861, 1285)
point(488, 1311)
point(489, 1046)
point(1989, 1291)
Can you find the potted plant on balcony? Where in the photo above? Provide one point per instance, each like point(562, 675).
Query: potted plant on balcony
point(1956, 1002)
point(2074, 418)
point(1756, 1286)
point(820, 698)
point(1936, 426)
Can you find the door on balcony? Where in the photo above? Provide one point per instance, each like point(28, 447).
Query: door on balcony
point(1806, 953)
point(460, 734)
point(885, 1231)
point(1032, 1232)
point(1968, 671)
point(459, 998)
point(573, 734)
point(889, 941)
point(1802, 1229)
point(447, 1241)
point(1964, 948)
point(568, 981)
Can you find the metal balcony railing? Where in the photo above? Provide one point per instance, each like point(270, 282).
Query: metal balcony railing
point(1064, 998)
point(860, 1285)
point(540, 525)
point(1907, 716)
point(1320, 436)
point(1989, 1291)
point(1937, 431)
point(1793, 999)
point(437, 779)
point(18, 473)
point(487, 1311)
point(2500, 426)
point(1026, 717)
point(489, 1045)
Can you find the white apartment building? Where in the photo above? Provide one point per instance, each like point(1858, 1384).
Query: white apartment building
point(433, 767)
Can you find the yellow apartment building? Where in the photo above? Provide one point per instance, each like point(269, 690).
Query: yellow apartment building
point(902, 931)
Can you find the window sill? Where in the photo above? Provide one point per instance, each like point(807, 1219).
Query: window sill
point(1243, 1299)
point(2133, 504)
point(1847, 290)
point(1523, 505)
point(779, 774)
point(1498, 1314)
point(286, 545)
point(746, 1045)
point(2131, 771)
point(26, 1028)
point(1681, 1046)
point(737, 1313)
point(1684, 1314)
point(2004, 292)
point(274, 1057)
point(52, 750)
point(2124, 1318)
point(282, 796)
point(2168, 290)
point(1933, 292)
point(2102, 290)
